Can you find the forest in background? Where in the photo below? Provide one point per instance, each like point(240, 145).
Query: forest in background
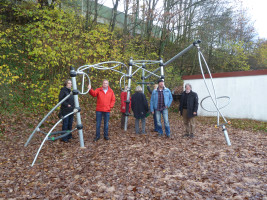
point(40, 40)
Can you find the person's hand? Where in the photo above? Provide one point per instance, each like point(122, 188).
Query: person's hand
point(194, 113)
point(152, 113)
point(89, 87)
point(69, 105)
point(123, 107)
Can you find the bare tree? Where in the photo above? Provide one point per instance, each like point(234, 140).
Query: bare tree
point(114, 15)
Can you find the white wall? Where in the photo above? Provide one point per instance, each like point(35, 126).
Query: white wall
point(248, 96)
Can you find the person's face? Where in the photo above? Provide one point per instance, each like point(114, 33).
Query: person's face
point(187, 88)
point(69, 84)
point(161, 84)
point(105, 84)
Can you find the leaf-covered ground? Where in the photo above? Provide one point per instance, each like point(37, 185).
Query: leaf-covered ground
point(131, 166)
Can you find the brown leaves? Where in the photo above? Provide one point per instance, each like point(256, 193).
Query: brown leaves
point(133, 166)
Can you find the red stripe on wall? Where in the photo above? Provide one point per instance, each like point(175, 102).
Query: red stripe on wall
point(227, 74)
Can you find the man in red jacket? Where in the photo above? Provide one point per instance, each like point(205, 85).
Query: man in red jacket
point(105, 101)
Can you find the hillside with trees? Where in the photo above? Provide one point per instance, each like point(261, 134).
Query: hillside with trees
point(40, 40)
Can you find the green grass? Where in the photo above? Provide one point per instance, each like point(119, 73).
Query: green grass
point(244, 124)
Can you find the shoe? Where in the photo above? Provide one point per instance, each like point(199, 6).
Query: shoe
point(96, 139)
point(106, 138)
point(168, 136)
point(186, 135)
point(65, 141)
point(191, 135)
point(160, 134)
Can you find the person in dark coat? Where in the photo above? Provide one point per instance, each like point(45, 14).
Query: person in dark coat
point(66, 107)
point(154, 115)
point(139, 108)
point(188, 109)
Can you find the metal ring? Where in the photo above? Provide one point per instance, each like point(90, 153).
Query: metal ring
point(222, 97)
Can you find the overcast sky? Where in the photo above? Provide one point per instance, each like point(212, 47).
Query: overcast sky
point(257, 11)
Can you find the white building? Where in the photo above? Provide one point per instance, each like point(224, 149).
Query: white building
point(247, 91)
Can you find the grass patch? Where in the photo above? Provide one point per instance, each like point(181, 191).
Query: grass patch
point(243, 124)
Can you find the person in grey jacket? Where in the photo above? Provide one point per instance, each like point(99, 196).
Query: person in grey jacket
point(161, 100)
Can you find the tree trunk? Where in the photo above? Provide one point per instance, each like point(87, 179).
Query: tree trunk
point(96, 12)
point(136, 17)
point(125, 24)
point(114, 15)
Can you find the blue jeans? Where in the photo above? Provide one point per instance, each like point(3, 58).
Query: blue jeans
point(155, 122)
point(166, 121)
point(67, 125)
point(98, 123)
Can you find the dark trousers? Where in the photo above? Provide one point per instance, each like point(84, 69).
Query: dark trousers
point(155, 122)
point(123, 120)
point(67, 125)
point(99, 116)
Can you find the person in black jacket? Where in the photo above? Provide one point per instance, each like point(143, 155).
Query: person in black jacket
point(139, 108)
point(66, 107)
point(188, 109)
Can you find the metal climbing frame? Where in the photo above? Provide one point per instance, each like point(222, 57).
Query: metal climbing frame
point(128, 73)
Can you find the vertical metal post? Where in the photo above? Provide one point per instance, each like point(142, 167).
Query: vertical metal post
point(73, 75)
point(128, 93)
point(226, 135)
point(143, 77)
point(161, 69)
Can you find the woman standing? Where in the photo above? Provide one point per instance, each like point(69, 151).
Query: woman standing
point(67, 107)
point(140, 108)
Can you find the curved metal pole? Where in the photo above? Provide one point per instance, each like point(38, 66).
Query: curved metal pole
point(47, 135)
point(215, 96)
point(41, 122)
point(203, 75)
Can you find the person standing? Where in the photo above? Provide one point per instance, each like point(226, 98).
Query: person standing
point(154, 115)
point(105, 102)
point(140, 108)
point(123, 107)
point(66, 107)
point(188, 109)
point(161, 100)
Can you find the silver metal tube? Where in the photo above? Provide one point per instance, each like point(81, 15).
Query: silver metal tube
point(161, 69)
point(215, 96)
point(226, 135)
point(153, 73)
point(83, 83)
point(179, 54)
point(214, 101)
point(128, 91)
point(41, 122)
point(47, 135)
point(76, 103)
point(143, 76)
point(136, 71)
point(203, 75)
point(195, 43)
